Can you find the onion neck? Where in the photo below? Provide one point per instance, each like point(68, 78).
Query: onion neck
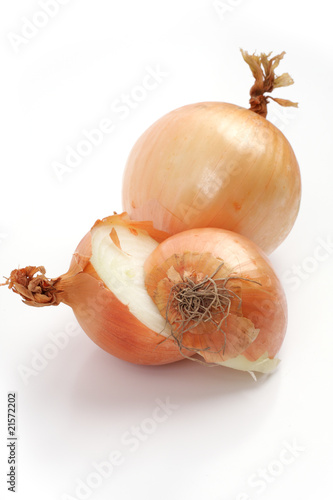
point(34, 287)
point(263, 69)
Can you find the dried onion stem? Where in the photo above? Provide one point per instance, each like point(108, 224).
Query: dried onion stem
point(263, 70)
point(37, 291)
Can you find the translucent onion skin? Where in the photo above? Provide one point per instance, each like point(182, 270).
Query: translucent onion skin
point(263, 301)
point(214, 164)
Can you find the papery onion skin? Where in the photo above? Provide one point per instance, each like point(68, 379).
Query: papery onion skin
point(106, 320)
point(214, 164)
point(112, 327)
point(263, 300)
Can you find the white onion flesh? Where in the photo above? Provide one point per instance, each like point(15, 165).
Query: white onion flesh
point(122, 272)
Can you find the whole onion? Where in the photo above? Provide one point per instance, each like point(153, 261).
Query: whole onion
point(215, 164)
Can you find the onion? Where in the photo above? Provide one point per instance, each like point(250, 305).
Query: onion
point(123, 286)
point(214, 164)
point(105, 288)
point(220, 296)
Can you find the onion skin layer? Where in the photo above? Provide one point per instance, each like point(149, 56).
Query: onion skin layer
point(265, 306)
point(112, 327)
point(214, 164)
point(103, 317)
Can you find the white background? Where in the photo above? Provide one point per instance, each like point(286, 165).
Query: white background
point(227, 437)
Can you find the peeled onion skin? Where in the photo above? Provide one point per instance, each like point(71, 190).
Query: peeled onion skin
point(214, 164)
point(101, 315)
point(111, 326)
point(262, 305)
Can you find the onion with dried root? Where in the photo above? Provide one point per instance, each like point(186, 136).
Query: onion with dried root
point(215, 164)
point(204, 294)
